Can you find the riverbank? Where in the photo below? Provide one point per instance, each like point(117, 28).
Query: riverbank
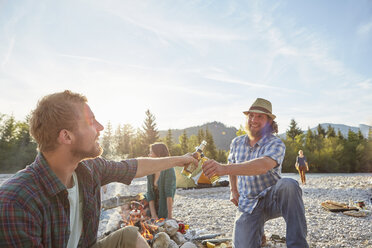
point(210, 210)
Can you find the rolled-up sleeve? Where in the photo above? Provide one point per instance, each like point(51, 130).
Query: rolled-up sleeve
point(275, 150)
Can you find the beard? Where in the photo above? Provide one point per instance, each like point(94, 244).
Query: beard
point(258, 133)
point(81, 153)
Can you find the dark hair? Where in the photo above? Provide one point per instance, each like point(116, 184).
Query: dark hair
point(274, 127)
point(160, 149)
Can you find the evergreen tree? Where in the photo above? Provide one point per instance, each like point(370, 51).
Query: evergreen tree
point(201, 136)
point(360, 136)
point(137, 146)
point(210, 149)
point(192, 143)
point(350, 158)
point(127, 137)
point(221, 156)
point(293, 130)
point(169, 140)
point(184, 142)
point(366, 161)
point(25, 145)
point(150, 132)
point(17, 148)
point(321, 131)
point(123, 138)
point(309, 143)
point(118, 142)
point(339, 135)
point(330, 132)
point(107, 142)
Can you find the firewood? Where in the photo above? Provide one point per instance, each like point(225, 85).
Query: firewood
point(120, 200)
point(207, 236)
point(216, 241)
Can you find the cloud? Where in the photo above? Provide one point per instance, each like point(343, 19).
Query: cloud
point(8, 52)
point(230, 80)
point(364, 29)
point(168, 28)
point(366, 84)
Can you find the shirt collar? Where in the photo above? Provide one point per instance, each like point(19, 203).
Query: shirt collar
point(262, 141)
point(47, 177)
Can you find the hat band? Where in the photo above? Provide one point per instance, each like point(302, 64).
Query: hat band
point(260, 109)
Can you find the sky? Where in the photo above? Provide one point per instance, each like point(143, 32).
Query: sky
point(191, 62)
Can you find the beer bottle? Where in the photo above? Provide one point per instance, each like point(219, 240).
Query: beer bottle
point(188, 170)
point(203, 158)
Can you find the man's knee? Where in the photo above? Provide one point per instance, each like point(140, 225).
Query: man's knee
point(124, 237)
point(288, 185)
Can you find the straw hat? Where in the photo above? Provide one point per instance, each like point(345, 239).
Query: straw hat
point(261, 106)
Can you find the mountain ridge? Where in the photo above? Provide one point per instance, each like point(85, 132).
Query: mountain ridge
point(223, 134)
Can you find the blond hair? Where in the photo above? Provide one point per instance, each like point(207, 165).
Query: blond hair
point(53, 113)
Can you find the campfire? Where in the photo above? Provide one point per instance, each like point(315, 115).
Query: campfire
point(134, 214)
point(159, 233)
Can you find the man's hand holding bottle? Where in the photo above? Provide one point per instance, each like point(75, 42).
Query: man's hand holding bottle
point(211, 169)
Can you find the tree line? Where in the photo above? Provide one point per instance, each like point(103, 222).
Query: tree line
point(326, 150)
point(17, 148)
point(127, 142)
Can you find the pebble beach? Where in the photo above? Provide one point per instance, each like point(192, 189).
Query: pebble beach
point(209, 211)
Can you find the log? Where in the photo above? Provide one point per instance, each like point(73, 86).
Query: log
point(207, 236)
point(216, 241)
point(336, 206)
point(120, 200)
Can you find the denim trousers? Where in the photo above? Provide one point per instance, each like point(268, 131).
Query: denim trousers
point(283, 199)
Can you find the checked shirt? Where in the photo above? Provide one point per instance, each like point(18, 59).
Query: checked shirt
point(252, 188)
point(34, 206)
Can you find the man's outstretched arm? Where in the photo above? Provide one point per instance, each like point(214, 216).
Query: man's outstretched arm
point(148, 166)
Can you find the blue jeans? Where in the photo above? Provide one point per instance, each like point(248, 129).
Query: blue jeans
point(283, 199)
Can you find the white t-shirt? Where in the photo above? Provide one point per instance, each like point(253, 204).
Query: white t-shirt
point(76, 217)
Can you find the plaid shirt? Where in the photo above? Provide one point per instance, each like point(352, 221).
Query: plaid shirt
point(34, 206)
point(252, 188)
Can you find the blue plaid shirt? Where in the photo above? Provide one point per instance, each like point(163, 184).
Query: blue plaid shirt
point(252, 188)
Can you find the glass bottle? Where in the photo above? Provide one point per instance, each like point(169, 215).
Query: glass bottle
point(188, 170)
point(203, 158)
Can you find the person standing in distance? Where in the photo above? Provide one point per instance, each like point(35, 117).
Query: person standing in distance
point(256, 185)
point(302, 166)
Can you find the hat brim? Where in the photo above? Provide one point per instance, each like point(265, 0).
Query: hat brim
point(259, 112)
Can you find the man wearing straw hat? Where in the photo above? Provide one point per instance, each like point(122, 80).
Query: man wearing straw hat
point(257, 189)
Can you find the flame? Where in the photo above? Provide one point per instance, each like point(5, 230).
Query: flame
point(160, 220)
point(146, 232)
point(147, 228)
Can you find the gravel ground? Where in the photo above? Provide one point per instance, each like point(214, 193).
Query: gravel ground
point(209, 210)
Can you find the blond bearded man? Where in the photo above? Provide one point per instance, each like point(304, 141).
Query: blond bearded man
point(55, 201)
point(257, 189)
